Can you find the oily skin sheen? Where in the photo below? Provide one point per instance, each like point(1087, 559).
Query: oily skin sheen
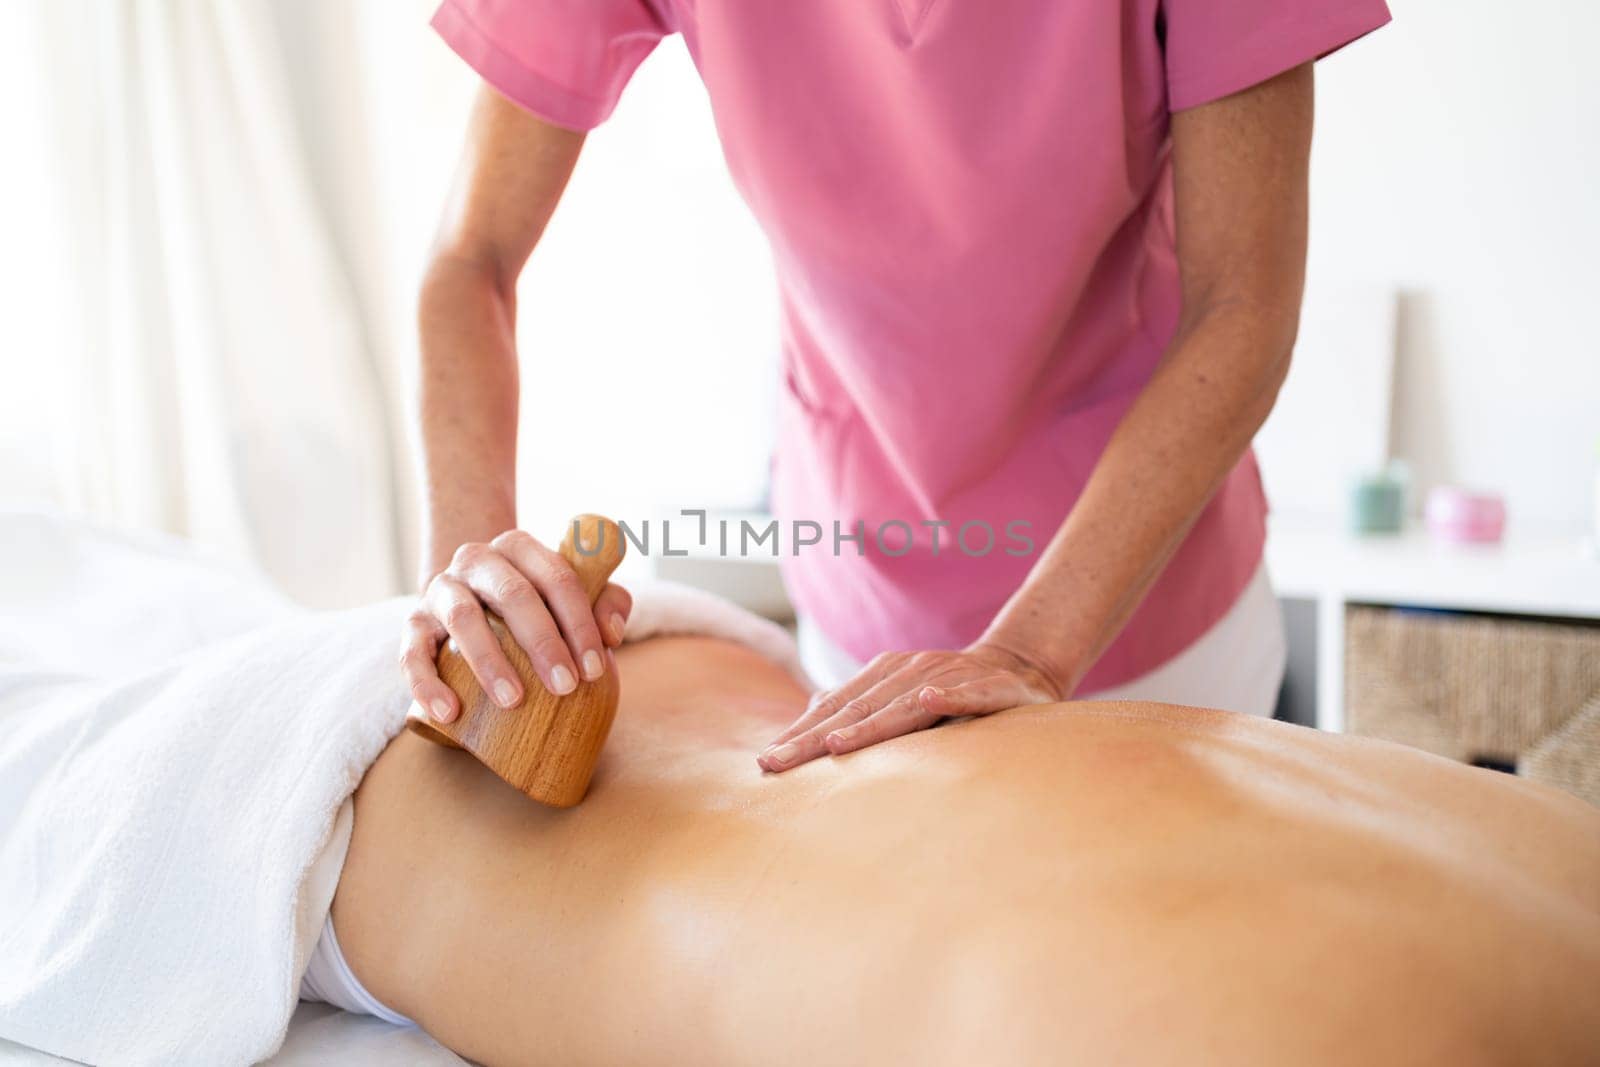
point(1094, 883)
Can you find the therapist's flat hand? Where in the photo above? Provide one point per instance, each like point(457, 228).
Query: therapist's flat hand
point(540, 597)
point(900, 692)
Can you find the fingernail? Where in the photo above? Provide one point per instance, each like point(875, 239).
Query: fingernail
point(592, 665)
point(783, 753)
point(505, 694)
point(835, 739)
point(440, 707)
point(562, 680)
point(615, 625)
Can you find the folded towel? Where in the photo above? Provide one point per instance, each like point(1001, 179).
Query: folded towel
point(160, 824)
point(662, 608)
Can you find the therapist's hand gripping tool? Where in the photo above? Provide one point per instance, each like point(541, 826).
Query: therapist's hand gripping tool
point(546, 746)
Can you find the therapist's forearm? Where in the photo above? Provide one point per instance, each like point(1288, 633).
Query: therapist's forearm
point(1240, 179)
point(467, 406)
point(1161, 467)
point(514, 167)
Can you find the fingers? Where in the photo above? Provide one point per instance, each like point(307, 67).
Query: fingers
point(418, 649)
point(546, 610)
point(810, 743)
point(891, 697)
point(807, 745)
point(827, 703)
point(823, 706)
point(611, 610)
point(517, 601)
point(903, 715)
point(996, 692)
point(900, 693)
point(560, 594)
point(457, 607)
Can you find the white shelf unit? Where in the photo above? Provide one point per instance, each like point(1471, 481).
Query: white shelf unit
point(1555, 575)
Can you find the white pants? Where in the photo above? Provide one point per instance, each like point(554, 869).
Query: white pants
point(1237, 665)
point(328, 979)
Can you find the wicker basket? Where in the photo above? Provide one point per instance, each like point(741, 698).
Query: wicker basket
point(1485, 690)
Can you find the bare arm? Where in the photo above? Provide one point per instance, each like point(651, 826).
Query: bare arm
point(512, 173)
point(1241, 171)
point(510, 178)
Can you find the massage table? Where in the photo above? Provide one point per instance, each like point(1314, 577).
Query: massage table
point(319, 1035)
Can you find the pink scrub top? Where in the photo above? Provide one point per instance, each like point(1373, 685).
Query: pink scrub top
point(970, 209)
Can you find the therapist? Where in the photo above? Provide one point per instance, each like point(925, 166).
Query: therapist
point(1041, 265)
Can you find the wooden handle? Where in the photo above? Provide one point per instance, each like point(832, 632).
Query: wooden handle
point(593, 545)
point(548, 745)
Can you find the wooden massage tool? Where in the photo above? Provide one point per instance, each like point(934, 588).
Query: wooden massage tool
point(547, 746)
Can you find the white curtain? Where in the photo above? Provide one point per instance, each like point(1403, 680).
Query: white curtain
point(206, 358)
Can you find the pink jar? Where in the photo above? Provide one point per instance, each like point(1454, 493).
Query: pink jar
point(1454, 514)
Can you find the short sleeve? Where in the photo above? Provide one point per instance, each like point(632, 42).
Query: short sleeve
point(566, 61)
point(1218, 47)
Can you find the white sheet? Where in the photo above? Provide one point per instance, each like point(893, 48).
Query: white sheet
point(318, 1036)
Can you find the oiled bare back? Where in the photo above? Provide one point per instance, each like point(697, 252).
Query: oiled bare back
point(1075, 883)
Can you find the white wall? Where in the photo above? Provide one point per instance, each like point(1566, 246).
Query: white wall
point(1458, 157)
point(648, 323)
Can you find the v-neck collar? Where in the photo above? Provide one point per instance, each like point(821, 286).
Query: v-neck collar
point(912, 15)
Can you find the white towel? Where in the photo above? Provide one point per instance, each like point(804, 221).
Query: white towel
point(662, 608)
point(160, 823)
